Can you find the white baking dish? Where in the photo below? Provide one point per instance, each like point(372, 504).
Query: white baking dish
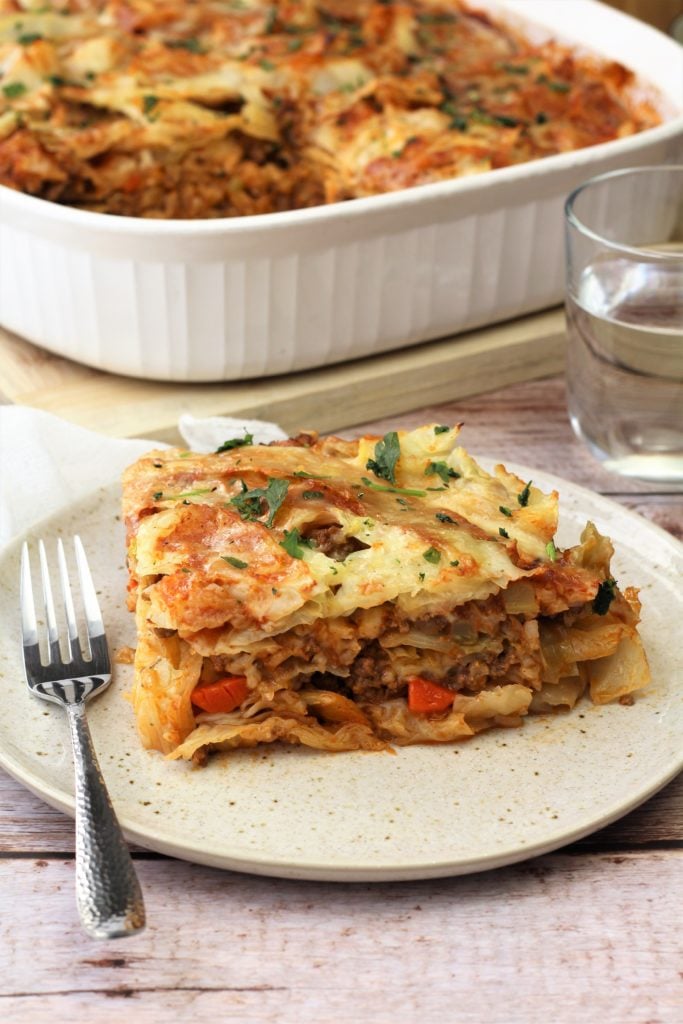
point(234, 298)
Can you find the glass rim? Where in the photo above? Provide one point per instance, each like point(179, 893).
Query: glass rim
point(574, 221)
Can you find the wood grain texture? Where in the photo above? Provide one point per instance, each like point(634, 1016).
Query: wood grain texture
point(326, 399)
point(582, 935)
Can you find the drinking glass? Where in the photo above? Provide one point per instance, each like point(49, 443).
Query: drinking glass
point(624, 305)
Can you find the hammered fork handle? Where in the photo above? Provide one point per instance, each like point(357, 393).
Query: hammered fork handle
point(107, 889)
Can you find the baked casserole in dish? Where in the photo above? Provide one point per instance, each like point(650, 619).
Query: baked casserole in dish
point(302, 183)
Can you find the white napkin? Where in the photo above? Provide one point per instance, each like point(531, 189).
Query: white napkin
point(47, 463)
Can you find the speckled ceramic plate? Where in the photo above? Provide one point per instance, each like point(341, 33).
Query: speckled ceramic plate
point(425, 812)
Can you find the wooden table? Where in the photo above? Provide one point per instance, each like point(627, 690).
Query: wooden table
point(591, 933)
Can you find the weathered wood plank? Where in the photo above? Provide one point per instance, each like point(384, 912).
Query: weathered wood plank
point(561, 938)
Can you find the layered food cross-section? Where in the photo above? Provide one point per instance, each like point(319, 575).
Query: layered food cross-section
point(359, 594)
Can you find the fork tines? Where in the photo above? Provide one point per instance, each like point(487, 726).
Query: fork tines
point(74, 658)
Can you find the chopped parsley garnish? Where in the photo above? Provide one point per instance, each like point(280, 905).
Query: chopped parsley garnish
point(555, 86)
point(237, 562)
point(56, 80)
point(457, 120)
point(604, 597)
point(312, 495)
point(310, 476)
point(412, 492)
point(294, 44)
point(441, 430)
point(443, 517)
point(503, 532)
point(294, 543)
point(442, 470)
point(432, 555)
point(160, 496)
point(149, 102)
point(192, 45)
point(235, 442)
point(456, 561)
point(436, 18)
point(541, 118)
point(421, 576)
point(387, 454)
point(505, 510)
point(28, 38)
point(515, 69)
point(14, 89)
point(523, 496)
point(551, 551)
point(267, 65)
point(403, 503)
point(249, 504)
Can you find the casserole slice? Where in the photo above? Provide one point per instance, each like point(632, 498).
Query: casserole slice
point(354, 594)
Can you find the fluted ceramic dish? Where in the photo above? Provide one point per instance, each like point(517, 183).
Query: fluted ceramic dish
point(427, 811)
point(260, 295)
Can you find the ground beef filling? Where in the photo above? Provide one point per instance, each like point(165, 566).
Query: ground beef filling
point(511, 656)
point(370, 655)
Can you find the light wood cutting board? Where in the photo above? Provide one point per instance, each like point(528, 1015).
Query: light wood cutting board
point(324, 399)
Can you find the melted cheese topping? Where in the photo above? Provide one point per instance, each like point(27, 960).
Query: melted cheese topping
point(445, 533)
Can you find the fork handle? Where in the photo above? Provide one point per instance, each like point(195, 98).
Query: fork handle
point(107, 888)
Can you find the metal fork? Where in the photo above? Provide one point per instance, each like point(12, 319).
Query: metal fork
point(107, 889)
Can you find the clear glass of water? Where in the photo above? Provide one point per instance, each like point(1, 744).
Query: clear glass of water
point(624, 236)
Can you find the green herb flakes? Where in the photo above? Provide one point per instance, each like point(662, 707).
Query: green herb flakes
point(432, 555)
point(515, 69)
point(312, 495)
point(604, 597)
point(443, 517)
point(503, 532)
point(237, 562)
point(412, 492)
point(441, 470)
point(192, 45)
point(13, 90)
point(505, 510)
point(235, 442)
point(441, 430)
point(456, 561)
point(160, 496)
point(551, 551)
point(149, 102)
point(28, 38)
point(523, 496)
point(294, 544)
point(249, 504)
point(387, 454)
